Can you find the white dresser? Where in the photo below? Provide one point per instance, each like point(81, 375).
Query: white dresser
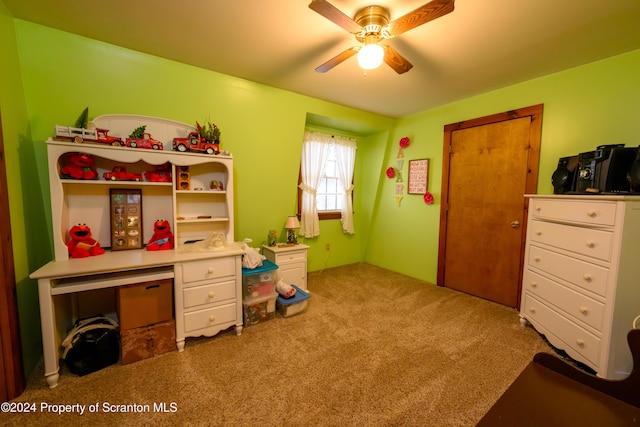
point(291, 262)
point(581, 280)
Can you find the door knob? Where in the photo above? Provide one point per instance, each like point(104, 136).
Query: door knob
point(515, 224)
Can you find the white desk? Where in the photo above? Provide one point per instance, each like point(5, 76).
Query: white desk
point(58, 279)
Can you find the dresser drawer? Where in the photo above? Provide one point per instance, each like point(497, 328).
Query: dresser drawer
point(209, 317)
point(208, 269)
point(583, 274)
point(207, 294)
point(571, 302)
point(585, 241)
point(582, 211)
point(578, 339)
point(291, 257)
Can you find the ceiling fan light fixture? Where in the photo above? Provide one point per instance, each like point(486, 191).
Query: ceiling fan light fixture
point(370, 25)
point(370, 56)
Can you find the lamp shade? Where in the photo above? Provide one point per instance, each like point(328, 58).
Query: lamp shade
point(292, 222)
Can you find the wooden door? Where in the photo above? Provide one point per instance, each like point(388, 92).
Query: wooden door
point(491, 163)
point(12, 381)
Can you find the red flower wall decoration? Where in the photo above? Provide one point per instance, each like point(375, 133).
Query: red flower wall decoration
point(428, 198)
point(391, 172)
point(404, 142)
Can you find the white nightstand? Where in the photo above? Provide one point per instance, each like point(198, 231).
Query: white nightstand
point(291, 262)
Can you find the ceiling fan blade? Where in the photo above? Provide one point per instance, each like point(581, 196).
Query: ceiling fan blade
point(334, 15)
point(395, 60)
point(338, 59)
point(421, 15)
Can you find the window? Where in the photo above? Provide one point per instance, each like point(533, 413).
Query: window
point(330, 193)
point(325, 189)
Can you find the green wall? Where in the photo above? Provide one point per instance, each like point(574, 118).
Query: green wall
point(49, 76)
point(261, 126)
point(584, 107)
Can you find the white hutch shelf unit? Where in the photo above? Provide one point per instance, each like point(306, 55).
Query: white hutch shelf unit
point(194, 213)
point(207, 281)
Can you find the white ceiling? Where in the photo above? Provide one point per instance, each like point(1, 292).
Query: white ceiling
point(481, 46)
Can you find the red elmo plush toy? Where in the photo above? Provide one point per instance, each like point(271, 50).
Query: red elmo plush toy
point(80, 166)
point(162, 238)
point(82, 244)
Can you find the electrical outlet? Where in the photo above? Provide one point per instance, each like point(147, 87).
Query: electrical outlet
point(328, 246)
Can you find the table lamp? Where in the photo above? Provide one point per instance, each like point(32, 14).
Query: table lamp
point(291, 225)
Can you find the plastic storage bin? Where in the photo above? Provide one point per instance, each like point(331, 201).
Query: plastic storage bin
point(259, 309)
point(259, 281)
point(297, 304)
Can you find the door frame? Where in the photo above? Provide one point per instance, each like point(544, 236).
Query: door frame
point(535, 132)
point(10, 347)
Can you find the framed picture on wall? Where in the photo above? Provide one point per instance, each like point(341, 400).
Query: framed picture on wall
point(418, 176)
point(126, 219)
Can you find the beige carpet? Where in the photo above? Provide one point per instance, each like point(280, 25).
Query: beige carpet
point(375, 348)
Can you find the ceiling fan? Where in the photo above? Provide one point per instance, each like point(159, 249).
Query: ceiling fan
point(370, 25)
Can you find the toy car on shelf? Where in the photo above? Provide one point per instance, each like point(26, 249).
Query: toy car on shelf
point(146, 141)
point(162, 173)
point(79, 135)
point(195, 142)
point(119, 173)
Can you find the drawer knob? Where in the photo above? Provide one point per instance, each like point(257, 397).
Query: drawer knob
point(538, 232)
point(212, 318)
point(587, 278)
point(536, 259)
point(210, 270)
point(584, 310)
point(580, 342)
point(592, 214)
point(534, 285)
point(538, 208)
point(532, 310)
point(211, 295)
point(591, 244)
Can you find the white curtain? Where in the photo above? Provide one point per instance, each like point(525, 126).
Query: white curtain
point(314, 154)
point(346, 159)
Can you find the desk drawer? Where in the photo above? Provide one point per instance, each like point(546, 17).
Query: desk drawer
point(208, 269)
point(583, 274)
point(207, 294)
point(585, 241)
point(576, 338)
point(206, 318)
point(571, 302)
point(582, 211)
